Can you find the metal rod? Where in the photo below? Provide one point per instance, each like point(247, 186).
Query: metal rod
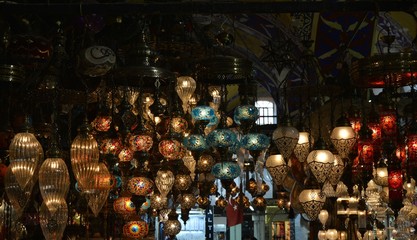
point(206, 7)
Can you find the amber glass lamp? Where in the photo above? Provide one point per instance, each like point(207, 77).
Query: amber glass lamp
point(25, 154)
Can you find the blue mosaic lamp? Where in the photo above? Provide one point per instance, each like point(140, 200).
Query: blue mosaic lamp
point(226, 170)
point(195, 142)
point(221, 138)
point(245, 116)
point(255, 141)
point(203, 113)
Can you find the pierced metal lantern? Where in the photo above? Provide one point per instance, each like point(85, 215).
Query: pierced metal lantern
point(343, 137)
point(312, 201)
point(188, 200)
point(277, 167)
point(158, 201)
point(221, 202)
point(205, 163)
point(226, 170)
point(164, 181)
point(172, 226)
point(182, 182)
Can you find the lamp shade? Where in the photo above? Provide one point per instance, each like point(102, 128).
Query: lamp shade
point(323, 216)
point(254, 141)
point(53, 223)
point(221, 138)
point(84, 154)
point(331, 234)
point(164, 181)
point(124, 206)
point(195, 142)
point(245, 116)
point(226, 170)
point(172, 226)
point(135, 229)
point(182, 182)
point(185, 88)
point(140, 142)
point(54, 183)
point(158, 201)
point(205, 163)
point(343, 137)
point(103, 182)
point(388, 122)
point(336, 170)
point(188, 200)
point(312, 201)
point(202, 113)
point(285, 138)
point(171, 149)
point(302, 149)
point(277, 167)
point(25, 152)
point(140, 186)
point(321, 162)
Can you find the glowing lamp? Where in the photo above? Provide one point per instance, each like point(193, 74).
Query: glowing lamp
point(343, 137)
point(320, 161)
point(312, 201)
point(277, 167)
point(285, 138)
point(185, 88)
point(302, 149)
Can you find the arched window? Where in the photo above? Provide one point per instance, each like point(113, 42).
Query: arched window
point(267, 112)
